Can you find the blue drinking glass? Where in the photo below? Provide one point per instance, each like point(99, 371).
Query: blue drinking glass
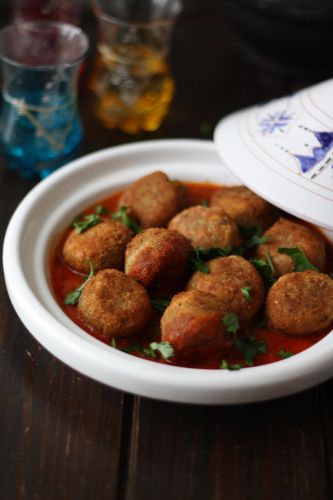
point(40, 127)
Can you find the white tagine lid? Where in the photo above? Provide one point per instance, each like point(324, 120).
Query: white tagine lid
point(283, 151)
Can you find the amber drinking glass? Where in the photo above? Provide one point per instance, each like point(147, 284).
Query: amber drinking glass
point(132, 83)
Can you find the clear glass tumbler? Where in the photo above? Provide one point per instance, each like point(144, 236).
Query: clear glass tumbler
point(132, 82)
point(40, 127)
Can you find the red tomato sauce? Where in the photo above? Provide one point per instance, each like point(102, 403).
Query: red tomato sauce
point(64, 280)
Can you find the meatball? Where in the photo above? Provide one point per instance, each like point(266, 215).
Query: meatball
point(104, 245)
point(245, 207)
point(300, 303)
point(206, 227)
point(114, 304)
point(192, 324)
point(290, 234)
point(236, 283)
point(153, 200)
point(157, 255)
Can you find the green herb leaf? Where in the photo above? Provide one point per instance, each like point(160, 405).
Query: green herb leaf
point(204, 203)
point(136, 347)
point(231, 323)
point(270, 262)
point(247, 291)
point(113, 343)
point(88, 221)
point(250, 348)
point(256, 240)
point(196, 262)
point(213, 253)
point(265, 269)
point(253, 235)
point(72, 298)
point(227, 366)
point(239, 251)
point(125, 219)
point(148, 352)
point(199, 256)
point(160, 304)
point(285, 354)
point(301, 262)
point(164, 348)
point(100, 210)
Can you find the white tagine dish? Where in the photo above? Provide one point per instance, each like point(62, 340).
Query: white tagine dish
point(282, 150)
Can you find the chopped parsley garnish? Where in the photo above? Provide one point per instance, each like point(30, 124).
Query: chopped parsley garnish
point(285, 354)
point(114, 343)
point(204, 203)
point(231, 323)
point(199, 256)
point(250, 347)
point(163, 348)
point(247, 291)
point(100, 210)
point(196, 262)
point(228, 366)
point(88, 221)
point(160, 304)
point(136, 347)
point(213, 253)
point(265, 269)
point(253, 235)
point(72, 298)
point(125, 219)
point(270, 262)
point(301, 262)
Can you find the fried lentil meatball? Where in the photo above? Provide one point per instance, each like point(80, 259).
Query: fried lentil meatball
point(290, 234)
point(206, 227)
point(114, 304)
point(157, 255)
point(152, 200)
point(103, 244)
point(245, 207)
point(226, 278)
point(300, 303)
point(193, 325)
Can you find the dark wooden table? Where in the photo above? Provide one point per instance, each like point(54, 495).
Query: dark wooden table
point(64, 436)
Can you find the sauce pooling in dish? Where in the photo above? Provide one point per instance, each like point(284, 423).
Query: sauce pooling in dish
point(198, 272)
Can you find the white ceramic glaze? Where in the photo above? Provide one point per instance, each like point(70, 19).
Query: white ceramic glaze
point(283, 150)
point(47, 210)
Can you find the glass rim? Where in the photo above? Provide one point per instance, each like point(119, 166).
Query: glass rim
point(45, 67)
point(138, 24)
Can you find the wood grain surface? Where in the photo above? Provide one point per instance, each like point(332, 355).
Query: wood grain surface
point(65, 437)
